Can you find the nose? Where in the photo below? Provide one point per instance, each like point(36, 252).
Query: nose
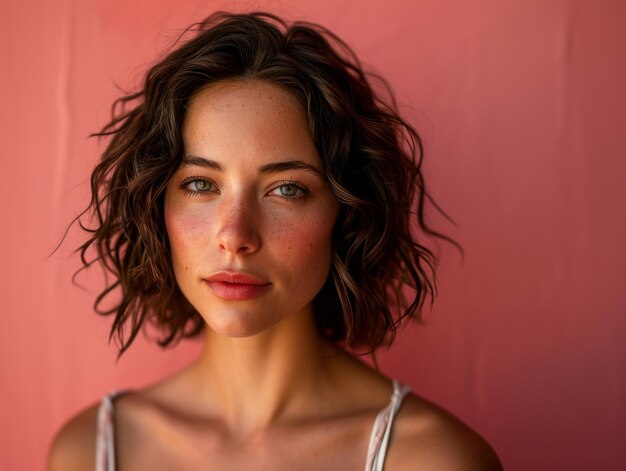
point(237, 233)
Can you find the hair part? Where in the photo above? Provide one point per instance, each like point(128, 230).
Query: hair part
point(372, 162)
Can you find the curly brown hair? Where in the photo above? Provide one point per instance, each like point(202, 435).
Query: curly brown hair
point(371, 158)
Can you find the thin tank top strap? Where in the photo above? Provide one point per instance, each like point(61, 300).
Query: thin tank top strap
point(105, 438)
point(381, 432)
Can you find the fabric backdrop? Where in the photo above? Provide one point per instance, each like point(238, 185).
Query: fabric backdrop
point(522, 108)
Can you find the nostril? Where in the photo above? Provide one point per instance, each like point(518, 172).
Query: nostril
point(238, 239)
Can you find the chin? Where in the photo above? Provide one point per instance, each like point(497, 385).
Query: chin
point(237, 325)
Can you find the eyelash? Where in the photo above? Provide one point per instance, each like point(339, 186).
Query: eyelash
point(305, 191)
point(185, 183)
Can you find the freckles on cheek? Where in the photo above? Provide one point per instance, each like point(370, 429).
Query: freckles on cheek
point(305, 240)
point(185, 233)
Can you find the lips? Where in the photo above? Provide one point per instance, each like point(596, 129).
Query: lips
point(236, 286)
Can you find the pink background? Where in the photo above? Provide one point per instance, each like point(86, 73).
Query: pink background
point(523, 108)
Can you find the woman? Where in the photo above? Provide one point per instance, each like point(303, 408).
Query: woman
point(258, 192)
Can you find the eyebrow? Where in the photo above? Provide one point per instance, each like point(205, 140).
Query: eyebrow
point(274, 167)
point(192, 160)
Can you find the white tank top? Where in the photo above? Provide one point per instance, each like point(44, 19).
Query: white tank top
point(379, 438)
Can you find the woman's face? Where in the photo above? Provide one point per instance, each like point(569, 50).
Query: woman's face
point(248, 214)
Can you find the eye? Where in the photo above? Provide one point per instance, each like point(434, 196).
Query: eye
point(290, 190)
point(196, 185)
point(200, 185)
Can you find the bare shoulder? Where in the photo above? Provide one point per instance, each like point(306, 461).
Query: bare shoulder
point(426, 437)
point(74, 445)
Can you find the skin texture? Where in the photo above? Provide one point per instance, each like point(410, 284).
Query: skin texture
point(275, 225)
point(267, 392)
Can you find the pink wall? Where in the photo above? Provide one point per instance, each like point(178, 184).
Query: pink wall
point(523, 108)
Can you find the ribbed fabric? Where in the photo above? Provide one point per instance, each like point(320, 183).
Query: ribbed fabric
point(381, 432)
point(105, 440)
point(377, 449)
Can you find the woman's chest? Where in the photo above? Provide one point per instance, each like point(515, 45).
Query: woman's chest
point(339, 444)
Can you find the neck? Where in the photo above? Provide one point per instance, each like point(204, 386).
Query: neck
point(255, 381)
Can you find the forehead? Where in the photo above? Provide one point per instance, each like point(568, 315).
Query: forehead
point(246, 116)
point(249, 94)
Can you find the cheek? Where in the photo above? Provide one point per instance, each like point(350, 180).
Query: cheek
point(303, 244)
point(185, 232)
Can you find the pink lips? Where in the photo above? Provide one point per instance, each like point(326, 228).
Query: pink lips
point(236, 286)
